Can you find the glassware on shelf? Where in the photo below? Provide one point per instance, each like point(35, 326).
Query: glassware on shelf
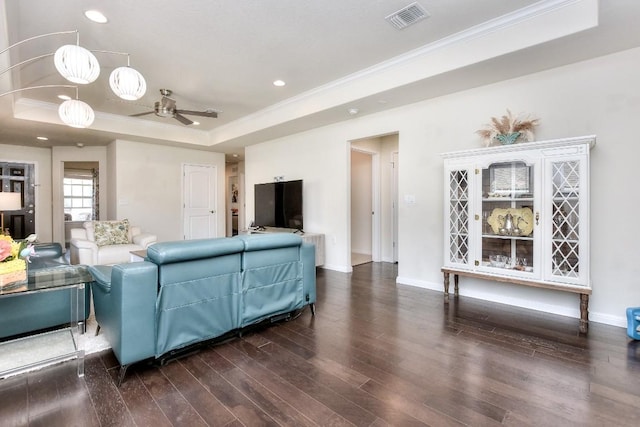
point(498, 261)
point(486, 228)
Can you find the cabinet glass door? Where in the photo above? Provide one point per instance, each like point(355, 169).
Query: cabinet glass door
point(508, 216)
point(566, 218)
point(458, 217)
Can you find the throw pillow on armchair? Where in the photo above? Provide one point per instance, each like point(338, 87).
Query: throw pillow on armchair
point(107, 242)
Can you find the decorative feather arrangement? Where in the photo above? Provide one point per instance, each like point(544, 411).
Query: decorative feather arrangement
point(508, 129)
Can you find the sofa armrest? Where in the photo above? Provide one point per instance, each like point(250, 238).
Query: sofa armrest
point(48, 250)
point(144, 239)
point(125, 308)
point(78, 233)
point(83, 252)
point(308, 257)
point(101, 278)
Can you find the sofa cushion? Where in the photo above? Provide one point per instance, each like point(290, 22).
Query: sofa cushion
point(111, 232)
point(116, 254)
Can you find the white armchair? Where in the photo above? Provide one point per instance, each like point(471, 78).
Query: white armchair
point(107, 242)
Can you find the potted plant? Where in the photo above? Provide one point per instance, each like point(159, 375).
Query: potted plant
point(508, 129)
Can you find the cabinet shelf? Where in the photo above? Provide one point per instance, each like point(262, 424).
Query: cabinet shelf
point(507, 199)
point(569, 241)
point(566, 199)
point(498, 236)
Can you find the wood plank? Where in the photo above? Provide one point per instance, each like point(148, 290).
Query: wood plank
point(173, 404)
point(376, 354)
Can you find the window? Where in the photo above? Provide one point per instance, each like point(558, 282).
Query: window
point(78, 197)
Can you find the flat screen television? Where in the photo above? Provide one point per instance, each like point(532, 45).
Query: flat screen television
point(279, 204)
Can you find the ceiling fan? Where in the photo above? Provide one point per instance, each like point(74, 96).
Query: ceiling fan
point(166, 107)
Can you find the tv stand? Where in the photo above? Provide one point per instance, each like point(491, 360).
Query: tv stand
point(316, 239)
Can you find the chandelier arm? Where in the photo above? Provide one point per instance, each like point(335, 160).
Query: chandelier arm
point(42, 35)
point(113, 53)
point(26, 61)
point(40, 87)
point(109, 51)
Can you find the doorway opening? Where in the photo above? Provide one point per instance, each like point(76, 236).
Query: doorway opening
point(19, 178)
point(362, 207)
point(80, 195)
point(373, 194)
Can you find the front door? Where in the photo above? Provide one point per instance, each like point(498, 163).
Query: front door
point(19, 178)
point(199, 208)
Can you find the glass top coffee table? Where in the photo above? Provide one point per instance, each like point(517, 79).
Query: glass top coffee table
point(41, 349)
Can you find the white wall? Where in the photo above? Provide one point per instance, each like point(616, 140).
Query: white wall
point(41, 158)
point(148, 185)
point(321, 160)
point(599, 96)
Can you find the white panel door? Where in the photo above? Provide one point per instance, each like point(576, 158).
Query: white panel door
point(199, 212)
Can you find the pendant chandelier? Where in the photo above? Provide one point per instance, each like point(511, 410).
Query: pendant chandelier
point(76, 64)
point(80, 66)
point(127, 83)
point(76, 113)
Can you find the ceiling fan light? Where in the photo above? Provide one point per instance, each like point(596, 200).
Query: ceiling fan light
point(127, 83)
point(76, 113)
point(76, 64)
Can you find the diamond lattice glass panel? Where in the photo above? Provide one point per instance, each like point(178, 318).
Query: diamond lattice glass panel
point(565, 250)
point(458, 216)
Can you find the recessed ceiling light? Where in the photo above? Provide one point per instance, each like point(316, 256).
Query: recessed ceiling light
point(64, 97)
point(234, 155)
point(196, 123)
point(96, 16)
point(279, 83)
point(353, 111)
point(42, 138)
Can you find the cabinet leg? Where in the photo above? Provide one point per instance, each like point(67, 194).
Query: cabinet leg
point(455, 285)
point(584, 313)
point(446, 287)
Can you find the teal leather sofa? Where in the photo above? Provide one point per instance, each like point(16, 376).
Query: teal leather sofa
point(25, 313)
point(188, 292)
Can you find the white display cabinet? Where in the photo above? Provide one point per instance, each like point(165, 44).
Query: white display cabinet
point(520, 214)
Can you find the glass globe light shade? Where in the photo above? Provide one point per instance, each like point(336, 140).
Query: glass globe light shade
point(127, 83)
point(76, 114)
point(76, 64)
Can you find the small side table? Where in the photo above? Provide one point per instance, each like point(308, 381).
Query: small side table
point(138, 256)
point(33, 351)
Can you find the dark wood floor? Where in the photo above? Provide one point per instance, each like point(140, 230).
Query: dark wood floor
point(376, 354)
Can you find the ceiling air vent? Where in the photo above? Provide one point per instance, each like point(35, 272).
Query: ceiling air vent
point(407, 15)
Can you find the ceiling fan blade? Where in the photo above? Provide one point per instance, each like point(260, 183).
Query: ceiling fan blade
point(141, 114)
point(182, 119)
point(213, 114)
